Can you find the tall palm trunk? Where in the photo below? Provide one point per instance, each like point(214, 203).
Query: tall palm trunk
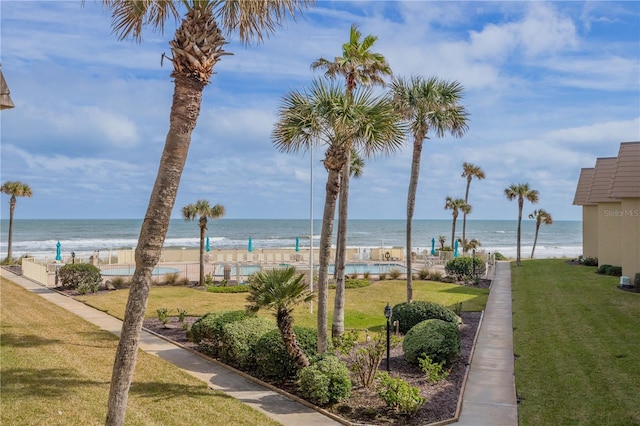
point(464, 217)
point(535, 240)
point(185, 109)
point(411, 204)
point(337, 326)
point(334, 162)
point(453, 230)
point(12, 208)
point(285, 325)
point(520, 205)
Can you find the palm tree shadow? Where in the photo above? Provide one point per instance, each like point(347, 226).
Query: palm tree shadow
point(46, 383)
point(26, 340)
point(164, 391)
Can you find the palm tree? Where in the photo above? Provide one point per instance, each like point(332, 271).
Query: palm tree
point(329, 115)
point(441, 240)
point(470, 245)
point(426, 104)
point(203, 210)
point(541, 216)
point(521, 192)
point(359, 66)
point(456, 206)
point(196, 48)
point(281, 291)
point(14, 189)
point(469, 171)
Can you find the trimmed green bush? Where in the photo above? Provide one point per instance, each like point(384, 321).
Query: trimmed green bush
point(273, 360)
point(437, 339)
point(80, 276)
point(238, 340)
point(240, 288)
point(603, 269)
point(499, 256)
point(615, 271)
point(590, 261)
point(462, 268)
point(325, 381)
point(207, 330)
point(410, 314)
point(353, 283)
point(398, 394)
point(636, 280)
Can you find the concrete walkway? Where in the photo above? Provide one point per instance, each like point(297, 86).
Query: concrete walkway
point(490, 394)
point(275, 405)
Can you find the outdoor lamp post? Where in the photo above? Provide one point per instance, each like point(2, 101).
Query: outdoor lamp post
point(387, 314)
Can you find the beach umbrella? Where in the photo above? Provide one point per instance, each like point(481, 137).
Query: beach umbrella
point(250, 247)
point(297, 244)
point(58, 251)
point(455, 250)
point(207, 247)
point(433, 247)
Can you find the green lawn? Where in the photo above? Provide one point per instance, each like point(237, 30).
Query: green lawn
point(56, 370)
point(577, 342)
point(364, 308)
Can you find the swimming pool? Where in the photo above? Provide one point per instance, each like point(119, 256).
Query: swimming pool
point(127, 271)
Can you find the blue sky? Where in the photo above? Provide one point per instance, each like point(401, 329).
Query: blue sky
point(549, 86)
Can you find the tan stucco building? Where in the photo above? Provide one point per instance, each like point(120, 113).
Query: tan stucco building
point(609, 195)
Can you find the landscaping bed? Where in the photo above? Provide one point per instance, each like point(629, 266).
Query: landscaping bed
point(364, 405)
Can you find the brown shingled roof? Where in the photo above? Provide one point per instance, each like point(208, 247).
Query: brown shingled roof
point(625, 181)
point(582, 190)
point(604, 171)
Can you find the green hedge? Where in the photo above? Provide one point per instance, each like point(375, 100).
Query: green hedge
point(410, 314)
point(238, 341)
point(325, 381)
point(207, 330)
point(240, 288)
point(83, 277)
point(462, 268)
point(439, 340)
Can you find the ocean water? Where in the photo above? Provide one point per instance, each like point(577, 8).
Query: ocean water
point(38, 238)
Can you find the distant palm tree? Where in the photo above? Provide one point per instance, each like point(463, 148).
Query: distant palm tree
point(520, 192)
point(281, 291)
point(471, 244)
point(328, 115)
point(359, 66)
point(541, 216)
point(456, 205)
point(426, 104)
point(14, 189)
point(469, 171)
point(203, 210)
point(442, 239)
point(197, 46)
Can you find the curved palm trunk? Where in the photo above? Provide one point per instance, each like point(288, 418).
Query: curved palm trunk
point(285, 325)
point(332, 190)
point(464, 217)
point(535, 240)
point(185, 109)
point(337, 327)
point(203, 233)
point(12, 208)
point(411, 204)
point(520, 205)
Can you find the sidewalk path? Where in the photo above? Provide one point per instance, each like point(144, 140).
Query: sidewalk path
point(490, 394)
point(273, 404)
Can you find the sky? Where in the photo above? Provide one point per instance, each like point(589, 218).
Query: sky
point(549, 86)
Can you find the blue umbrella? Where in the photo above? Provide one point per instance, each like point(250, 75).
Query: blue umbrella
point(58, 251)
point(297, 244)
point(433, 247)
point(455, 250)
point(250, 247)
point(207, 247)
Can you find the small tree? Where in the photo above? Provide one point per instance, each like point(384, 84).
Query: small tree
point(520, 192)
point(14, 189)
point(203, 210)
point(541, 216)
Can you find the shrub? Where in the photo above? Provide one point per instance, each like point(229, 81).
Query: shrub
point(436, 276)
point(171, 278)
point(241, 288)
point(398, 394)
point(382, 276)
point(364, 360)
point(325, 381)
point(238, 340)
point(603, 269)
point(366, 275)
point(434, 371)
point(80, 276)
point(207, 330)
point(424, 274)
point(434, 338)
point(273, 360)
point(590, 261)
point(356, 283)
point(119, 282)
point(410, 314)
point(346, 342)
point(462, 268)
point(394, 273)
point(636, 280)
point(181, 314)
point(615, 271)
point(499, 256)
point(163, 315)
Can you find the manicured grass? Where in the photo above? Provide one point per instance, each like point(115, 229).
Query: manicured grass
point(364, 308)
point(577, 341)
point(56, 370)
